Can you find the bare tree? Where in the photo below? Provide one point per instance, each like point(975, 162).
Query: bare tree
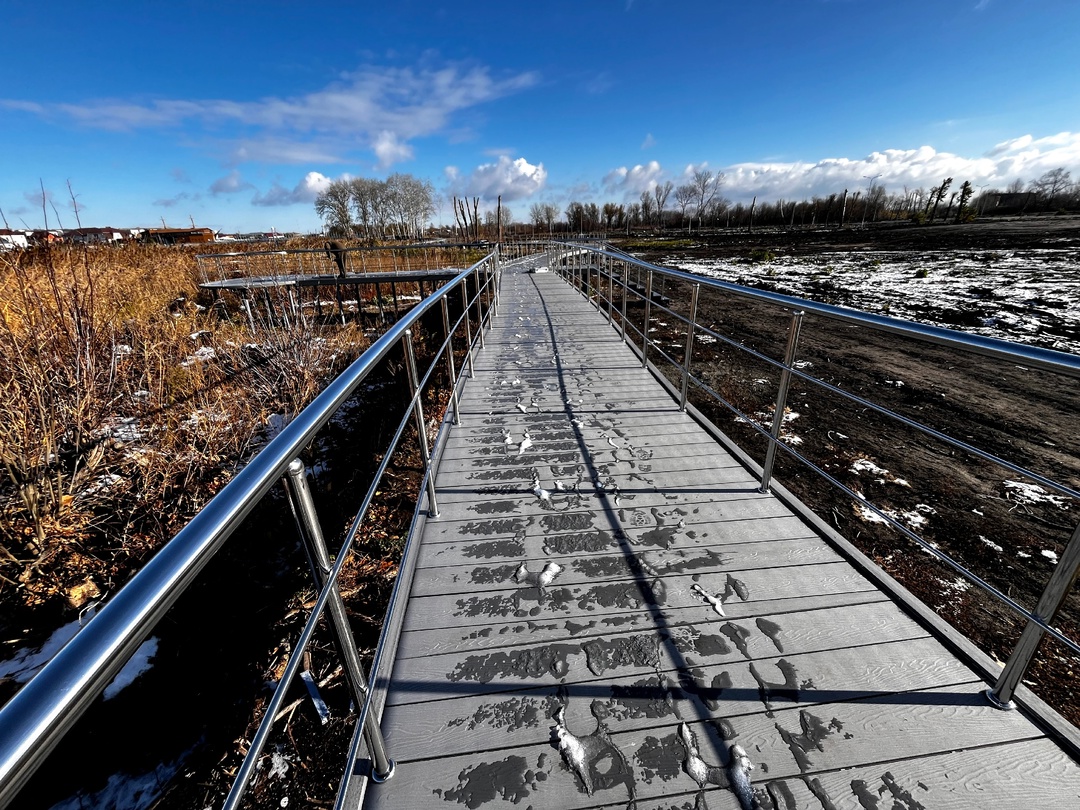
point(646, 206)
point(613, 215)
point(1050, 186)
point(706, 187)
point(334, 207)
point(938, 194)
point(661, 191)
point(684, 198)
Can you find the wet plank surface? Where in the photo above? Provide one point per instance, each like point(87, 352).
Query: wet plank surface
point(607, 613)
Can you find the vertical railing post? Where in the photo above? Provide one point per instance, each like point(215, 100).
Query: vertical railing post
point(690, 329)
point(450, 359)
point(609, 264)
point(645, 328)
point(479, 308)
point(421, 427)
point(1061, 582)
point(307, 523)
point(625, 285)
point(468, 327)
point(781, 398)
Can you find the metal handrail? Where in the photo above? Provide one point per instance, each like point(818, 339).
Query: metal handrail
point(38, 716)
point(571, 257)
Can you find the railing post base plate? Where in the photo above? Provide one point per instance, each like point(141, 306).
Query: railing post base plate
point(386, 777)
point(997, 704)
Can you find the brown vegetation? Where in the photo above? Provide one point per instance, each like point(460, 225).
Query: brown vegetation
point(128, 398)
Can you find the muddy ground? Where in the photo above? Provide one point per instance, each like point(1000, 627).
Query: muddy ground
point(987, 517)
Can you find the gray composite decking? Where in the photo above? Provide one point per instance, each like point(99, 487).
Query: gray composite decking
point(586, 686)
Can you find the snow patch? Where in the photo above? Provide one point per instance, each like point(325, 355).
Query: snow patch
point(991, 543)
point(136, 666)
point(1031, 494)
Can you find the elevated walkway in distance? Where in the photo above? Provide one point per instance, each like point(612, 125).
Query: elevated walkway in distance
point(608, 613)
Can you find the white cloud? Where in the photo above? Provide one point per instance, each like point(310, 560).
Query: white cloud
point(384, 107)
point(631, 182)
point(305, 191)
point(229, 184)
point(1024, 157)
point(688, 172)
point(513, 179)
point(172, 202)
point(389, 150)
point(649, 141)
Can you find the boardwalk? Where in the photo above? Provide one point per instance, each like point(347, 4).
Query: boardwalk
point(607, 613)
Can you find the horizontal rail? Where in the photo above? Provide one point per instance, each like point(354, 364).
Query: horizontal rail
point(578, 258)
point(1044, 359)
point(38, 716)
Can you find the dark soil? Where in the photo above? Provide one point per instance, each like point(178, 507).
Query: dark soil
point(1025, 417)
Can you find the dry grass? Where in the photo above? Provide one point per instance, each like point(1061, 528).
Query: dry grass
point(126, 401)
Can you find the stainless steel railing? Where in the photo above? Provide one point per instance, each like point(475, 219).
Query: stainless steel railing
point(34, 721)
point(600, 272)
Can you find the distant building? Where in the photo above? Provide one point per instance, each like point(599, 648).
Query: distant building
point(45, 237)
point(1008, 203)
point(96, 236)
point(14, 240)
point(178, 236)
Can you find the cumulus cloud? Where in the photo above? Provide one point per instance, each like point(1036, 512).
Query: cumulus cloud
point(229, 184)
point(305, 191)
point(630, 182)
point(384, 107)
point(1025, 157)
point(389, 150)
point(513, 179)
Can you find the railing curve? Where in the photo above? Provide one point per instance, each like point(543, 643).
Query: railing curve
point(598, 271)
point(38, 716)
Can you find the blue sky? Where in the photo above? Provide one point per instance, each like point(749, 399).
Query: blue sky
point(235, 114)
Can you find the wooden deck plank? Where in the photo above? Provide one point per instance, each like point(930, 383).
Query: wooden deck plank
point(791, 744)
point(582, 654)
point(655, 700)
point(582, 601)
point(467, 578)
point(838, 697)
point(455, 638)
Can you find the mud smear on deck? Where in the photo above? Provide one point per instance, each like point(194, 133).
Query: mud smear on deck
point(660, 758)
point(567, 522)
point(550, 660)
point(594, 759)
point(636, 651)
point(489, 527)
point(491, 574)
point(772, 691)
point(656, 563)
point(813, 731)
point(649, 697)
point(738, 636)
point(871, 799)
point(581, 543)
point(622, 595)
point(510, 779)
point(493, 549)
point(520, 603)
point(689, 639)
point(511, 715)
